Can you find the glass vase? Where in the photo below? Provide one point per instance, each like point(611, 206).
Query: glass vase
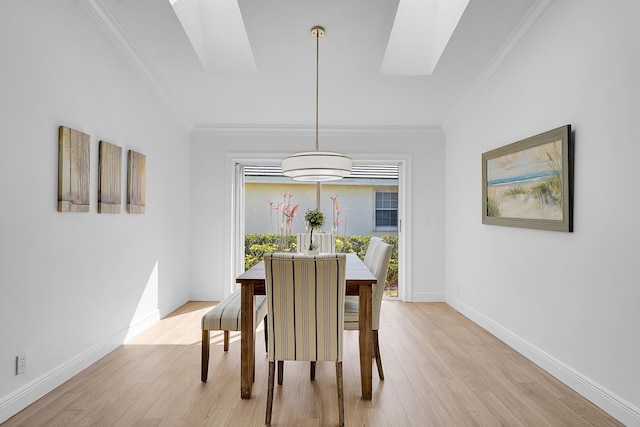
point(310, 245)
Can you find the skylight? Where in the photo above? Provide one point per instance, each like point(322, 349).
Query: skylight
point(217, 33)
point(420, 33)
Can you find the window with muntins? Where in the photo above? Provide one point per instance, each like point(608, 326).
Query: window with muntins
point(386, 210)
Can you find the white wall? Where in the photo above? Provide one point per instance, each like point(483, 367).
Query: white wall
point(212, 176)
point(72, 285)
point(569, 301)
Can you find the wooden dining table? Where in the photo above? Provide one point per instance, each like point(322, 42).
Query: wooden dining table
point(359, 282)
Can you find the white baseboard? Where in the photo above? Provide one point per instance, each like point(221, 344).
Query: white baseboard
point(196, 295)
point(427, 297)
point(617, 407)
point(142, 324)
point(34, 390)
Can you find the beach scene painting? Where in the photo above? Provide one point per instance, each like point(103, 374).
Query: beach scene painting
point(526, 184)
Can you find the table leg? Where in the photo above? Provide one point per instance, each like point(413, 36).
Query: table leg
point(247, 341)
point(366, 339)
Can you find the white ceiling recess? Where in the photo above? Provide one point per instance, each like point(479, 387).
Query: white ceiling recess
point(267, 78)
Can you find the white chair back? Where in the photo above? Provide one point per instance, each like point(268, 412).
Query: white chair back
point(377, 258)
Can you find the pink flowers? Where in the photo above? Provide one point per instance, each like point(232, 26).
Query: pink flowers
point(335, 215)
point(285, 212)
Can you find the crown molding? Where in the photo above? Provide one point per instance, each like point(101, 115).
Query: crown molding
point(336, 130)
point(101, 14)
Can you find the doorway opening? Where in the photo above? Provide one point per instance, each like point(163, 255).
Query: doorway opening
point(365, 204)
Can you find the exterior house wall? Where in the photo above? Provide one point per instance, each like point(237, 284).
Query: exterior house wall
point(355, 202)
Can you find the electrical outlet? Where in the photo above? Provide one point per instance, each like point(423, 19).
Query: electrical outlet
point(21, 363)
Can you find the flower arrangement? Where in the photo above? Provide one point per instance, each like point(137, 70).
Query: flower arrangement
point(285, 213)
point(336, 215)
point(314, 218)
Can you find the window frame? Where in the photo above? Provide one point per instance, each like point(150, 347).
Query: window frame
point(377, 191)
point(234, 240)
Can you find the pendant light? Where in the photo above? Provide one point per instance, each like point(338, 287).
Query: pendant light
point(316, 165)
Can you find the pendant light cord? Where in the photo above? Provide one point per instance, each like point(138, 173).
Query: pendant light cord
point(317, 84)
point(317, 95)
point(317, 166)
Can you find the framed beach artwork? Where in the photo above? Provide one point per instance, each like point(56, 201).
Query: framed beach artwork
point(529, 183)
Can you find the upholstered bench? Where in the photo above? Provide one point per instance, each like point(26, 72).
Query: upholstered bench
point(226, 317)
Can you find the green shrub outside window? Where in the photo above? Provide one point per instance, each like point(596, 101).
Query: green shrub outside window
point(256, 245)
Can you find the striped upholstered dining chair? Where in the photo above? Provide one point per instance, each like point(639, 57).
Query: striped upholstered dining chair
point(377, 259)
point(305, 313)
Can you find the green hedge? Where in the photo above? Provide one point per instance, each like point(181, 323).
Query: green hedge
point(256, 245)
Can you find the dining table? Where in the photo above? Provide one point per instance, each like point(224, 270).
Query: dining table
point(359, 282)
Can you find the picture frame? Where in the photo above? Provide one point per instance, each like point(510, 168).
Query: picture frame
point(529, 183)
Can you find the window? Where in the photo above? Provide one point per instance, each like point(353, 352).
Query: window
point(386, 210)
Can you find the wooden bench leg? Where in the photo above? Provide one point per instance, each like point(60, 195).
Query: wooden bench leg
point(226, 340)
point(204, 370)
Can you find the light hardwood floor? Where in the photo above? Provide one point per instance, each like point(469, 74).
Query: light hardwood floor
point(440, 370)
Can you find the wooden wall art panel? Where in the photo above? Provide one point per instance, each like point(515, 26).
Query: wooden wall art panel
point(109, 178)
point(73, 170)
point(136, 182)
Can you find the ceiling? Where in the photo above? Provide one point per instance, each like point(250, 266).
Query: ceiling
point(281, 92)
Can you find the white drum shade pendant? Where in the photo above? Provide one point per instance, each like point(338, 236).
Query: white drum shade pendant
point(316, 165)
